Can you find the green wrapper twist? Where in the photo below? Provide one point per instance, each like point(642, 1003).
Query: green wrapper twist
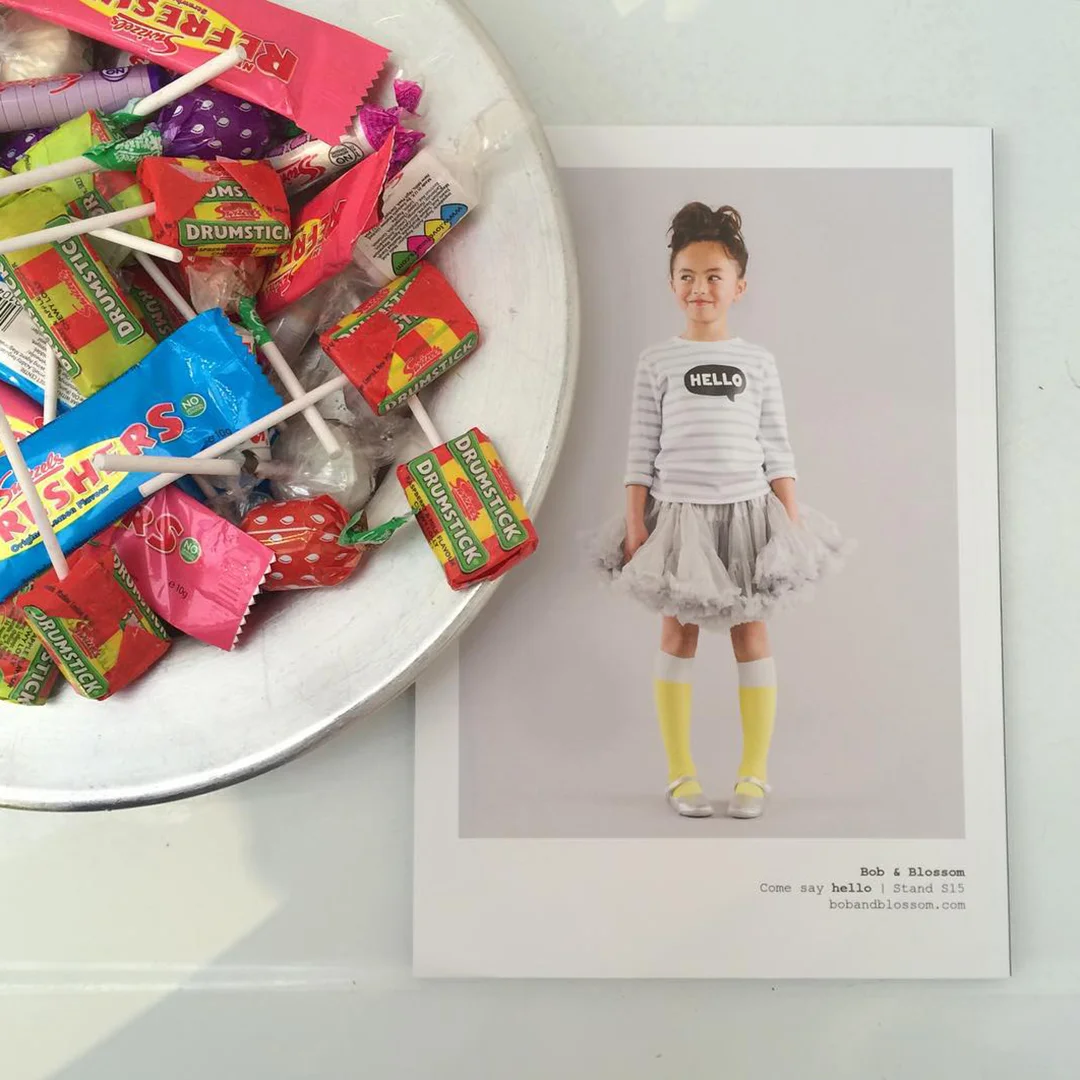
point(124, 155)
point(355, 534)
point(254, 325)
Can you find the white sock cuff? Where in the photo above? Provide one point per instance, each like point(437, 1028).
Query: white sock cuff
point(670, 668)
point(757, 673)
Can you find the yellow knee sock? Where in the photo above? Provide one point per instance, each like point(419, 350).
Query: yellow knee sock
point(757, 703)
point(673, 693)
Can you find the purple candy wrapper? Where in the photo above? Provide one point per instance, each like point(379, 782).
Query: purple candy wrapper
point(209, 123)
point(44, 102)
point(14, 144)
point(408, 94)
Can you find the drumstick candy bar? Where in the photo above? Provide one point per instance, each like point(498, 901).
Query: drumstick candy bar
point(96, 626)
point(308, 70)
point(468, 509)
point(403, 338)
point(212, 208)
point(200, 382)
point(80, 304)
point(27, 671)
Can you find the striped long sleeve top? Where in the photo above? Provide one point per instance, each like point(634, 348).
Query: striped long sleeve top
point(708, 422)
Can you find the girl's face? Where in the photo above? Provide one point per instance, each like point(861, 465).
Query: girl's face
point(706, 282)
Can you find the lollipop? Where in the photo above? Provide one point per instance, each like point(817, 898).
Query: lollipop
point(210, 123)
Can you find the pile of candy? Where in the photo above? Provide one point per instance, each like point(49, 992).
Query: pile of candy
point(182, 192)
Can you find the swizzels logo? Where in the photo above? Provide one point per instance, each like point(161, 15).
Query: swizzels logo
point(306, 244)
point(164, 27)
point(70, 486)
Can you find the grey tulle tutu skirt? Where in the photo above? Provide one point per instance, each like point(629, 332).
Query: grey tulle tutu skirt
point(719, 566)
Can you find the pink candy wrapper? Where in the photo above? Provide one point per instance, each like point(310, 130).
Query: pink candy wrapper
point(24, 413)
point(198, 572)
point(303, 68)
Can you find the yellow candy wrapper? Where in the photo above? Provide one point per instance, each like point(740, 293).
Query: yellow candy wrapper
point(95, 327)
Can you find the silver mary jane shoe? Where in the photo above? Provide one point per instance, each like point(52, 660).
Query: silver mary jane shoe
point(688, 805)
point(748, 806)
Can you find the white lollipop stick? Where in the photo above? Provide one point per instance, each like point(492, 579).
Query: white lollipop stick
point(33, 499)
point(425, 422)
point(296, 390)
point(166, 286)
point(46, 174)
point(61, 170)
point(152, 463)
point(59, 233)
point(138, 243)
point(195, 78)
point(52, 379)
point(257, 427)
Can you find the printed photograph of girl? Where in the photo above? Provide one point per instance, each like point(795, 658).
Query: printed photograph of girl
point(743, 617)
point(713, 536)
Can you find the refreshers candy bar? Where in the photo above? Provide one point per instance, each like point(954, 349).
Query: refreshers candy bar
point(97, 628)
point(200, 382)
point(324, 236)
point(81, 306)
point(468, 509)
point(40, 103)
point(403, 338)
point(216, 207)
point(314, 73)
point(27, 672)
point(199, 572)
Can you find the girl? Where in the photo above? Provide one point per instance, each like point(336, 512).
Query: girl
point(713, 535)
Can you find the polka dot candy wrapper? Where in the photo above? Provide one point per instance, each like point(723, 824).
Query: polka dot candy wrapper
point(303, 534)
point(209, 123)
point(469, 511)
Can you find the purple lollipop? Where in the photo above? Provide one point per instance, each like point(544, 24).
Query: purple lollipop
point(14, 144)
point(209, 123)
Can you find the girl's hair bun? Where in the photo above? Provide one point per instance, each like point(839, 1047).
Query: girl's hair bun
point(697, 223)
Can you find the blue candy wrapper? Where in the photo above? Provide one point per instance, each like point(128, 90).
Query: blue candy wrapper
point(198, 386)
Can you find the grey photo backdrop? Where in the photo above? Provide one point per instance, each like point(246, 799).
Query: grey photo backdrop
point(851, 287)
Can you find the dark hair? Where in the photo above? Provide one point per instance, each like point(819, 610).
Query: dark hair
point(696, 223)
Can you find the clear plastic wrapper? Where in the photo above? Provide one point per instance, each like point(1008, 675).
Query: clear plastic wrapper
point(349, 478)
point(222, 282)
point(31, 48)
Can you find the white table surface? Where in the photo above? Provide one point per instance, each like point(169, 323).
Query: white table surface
point(264, 931)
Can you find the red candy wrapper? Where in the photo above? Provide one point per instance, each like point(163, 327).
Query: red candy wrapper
point(211, 208)
point(306, 69)
point(96, 626)
point(403, 338)
point(303, 534)
point(323, 238)
point(199, 572)
point(468, 509)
